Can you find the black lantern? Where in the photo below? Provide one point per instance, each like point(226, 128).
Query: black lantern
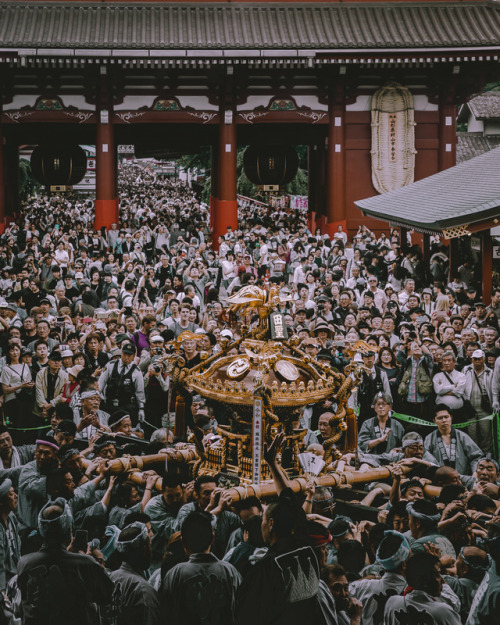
point(270, 165)
point(58, 165)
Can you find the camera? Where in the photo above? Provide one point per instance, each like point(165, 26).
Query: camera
point(157, 368)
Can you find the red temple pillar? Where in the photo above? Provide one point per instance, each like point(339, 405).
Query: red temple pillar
point(312, 186)
point(335, 210)
point(447, 135)
point(487, 265)
point(10, 180)
point(226, 206)
point(321, 189)
point(214, 185)
point(426, 245)
point(106, 202)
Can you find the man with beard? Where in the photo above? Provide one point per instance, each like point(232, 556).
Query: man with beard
point(33, 484)
point(162, 511)
point(421, 604)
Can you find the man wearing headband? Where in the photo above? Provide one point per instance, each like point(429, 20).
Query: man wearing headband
point(472, 564)
point(412, 446)
point(485, 606)
point(392, 554)
point(10, 543)
point(423, 603)
point(89, 419)
point(120, 423)
point(424, 519)
point(58, 586)
point(105, 447)
point(33, 484)
point(341, 529)
point(134, 600)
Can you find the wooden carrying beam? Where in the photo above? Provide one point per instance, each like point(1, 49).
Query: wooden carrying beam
point(333, 480)
point(134, 465)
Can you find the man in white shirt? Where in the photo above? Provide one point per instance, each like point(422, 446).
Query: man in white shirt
point(449, 384)
point(379, 297)
point(478, 390)
point(408, 288)
point(299, 274)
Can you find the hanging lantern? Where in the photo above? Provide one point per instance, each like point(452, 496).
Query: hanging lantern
point(270, 165)
point(58, 166)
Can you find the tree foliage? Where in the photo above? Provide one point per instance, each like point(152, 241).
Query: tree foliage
point(202, 162)
point(28, 186)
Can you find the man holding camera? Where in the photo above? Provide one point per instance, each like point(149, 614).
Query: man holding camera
point(156, 380)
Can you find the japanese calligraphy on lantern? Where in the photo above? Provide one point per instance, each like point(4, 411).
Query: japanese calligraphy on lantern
point(256, 440)
point(278, 327)
point(393, 138)
point(393, 155)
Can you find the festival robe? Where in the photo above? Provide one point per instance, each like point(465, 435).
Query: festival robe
point(368, 433)
point(485, 606)
point(419, 607)
point(162, 524)
point(200, 591)
point(467, 452)
point(135, 601)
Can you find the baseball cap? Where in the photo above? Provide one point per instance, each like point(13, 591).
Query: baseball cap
point(478, 353)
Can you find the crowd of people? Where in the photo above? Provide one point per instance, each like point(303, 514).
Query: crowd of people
point(87, 320)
